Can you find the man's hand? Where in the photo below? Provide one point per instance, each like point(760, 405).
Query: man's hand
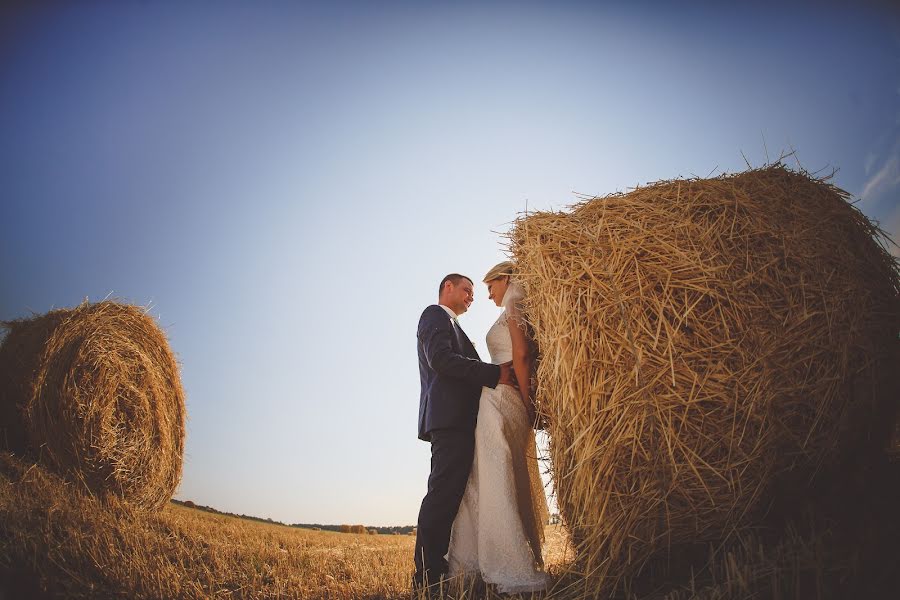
point(507, 375)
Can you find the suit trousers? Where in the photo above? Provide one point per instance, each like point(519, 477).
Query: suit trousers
point(452, 452)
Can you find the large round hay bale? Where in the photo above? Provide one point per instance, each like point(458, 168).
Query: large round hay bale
point(94, 392)
point(704, 343)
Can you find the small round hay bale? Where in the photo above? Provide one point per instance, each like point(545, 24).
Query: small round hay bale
point(704, 344)
point(94, 392)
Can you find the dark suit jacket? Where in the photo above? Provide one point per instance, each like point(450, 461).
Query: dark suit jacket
point(451, 374)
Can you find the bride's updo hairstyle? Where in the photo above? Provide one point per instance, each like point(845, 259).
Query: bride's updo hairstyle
point(514, 292)
point(504, 269)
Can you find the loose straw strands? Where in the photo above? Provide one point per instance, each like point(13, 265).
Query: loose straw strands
point(701, 341)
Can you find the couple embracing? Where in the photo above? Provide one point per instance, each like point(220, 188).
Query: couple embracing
point(485, 510)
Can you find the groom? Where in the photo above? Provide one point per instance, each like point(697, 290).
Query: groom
point(452, 377)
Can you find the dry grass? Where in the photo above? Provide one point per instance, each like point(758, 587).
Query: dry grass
point(708, 347)
point(94, 392)
point(58, 542)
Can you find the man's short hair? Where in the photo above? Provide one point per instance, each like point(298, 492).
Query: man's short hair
point(454, 279)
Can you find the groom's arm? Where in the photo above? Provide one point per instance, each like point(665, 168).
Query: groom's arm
point(436, 335)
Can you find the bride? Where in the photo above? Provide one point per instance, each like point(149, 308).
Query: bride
point(499, 528)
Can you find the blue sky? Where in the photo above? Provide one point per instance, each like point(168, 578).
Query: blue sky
point(286, 183)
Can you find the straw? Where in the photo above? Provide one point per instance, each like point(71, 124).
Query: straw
point(702, 342)
point(94, 393)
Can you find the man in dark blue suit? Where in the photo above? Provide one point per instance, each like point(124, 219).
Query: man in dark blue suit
point(452, 377)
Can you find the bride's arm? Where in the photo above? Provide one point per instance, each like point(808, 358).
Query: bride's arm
point(521, 355)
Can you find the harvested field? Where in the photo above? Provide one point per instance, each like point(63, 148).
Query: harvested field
point(58, 542)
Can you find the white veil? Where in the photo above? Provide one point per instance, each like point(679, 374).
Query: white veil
point(514, 295)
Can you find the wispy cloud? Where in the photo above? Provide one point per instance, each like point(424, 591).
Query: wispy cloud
point(885, 178)
point(880, 196)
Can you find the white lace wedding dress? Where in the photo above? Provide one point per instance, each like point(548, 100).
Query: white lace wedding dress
point(499, 528)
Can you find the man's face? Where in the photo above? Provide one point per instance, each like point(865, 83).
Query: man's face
point(458, 297)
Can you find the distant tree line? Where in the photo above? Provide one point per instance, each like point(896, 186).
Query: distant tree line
point(395, 529)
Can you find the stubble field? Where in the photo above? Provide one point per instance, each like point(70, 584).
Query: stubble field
point(57, 542)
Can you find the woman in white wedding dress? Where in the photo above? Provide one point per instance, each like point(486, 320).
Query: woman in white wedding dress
point(499, 529)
